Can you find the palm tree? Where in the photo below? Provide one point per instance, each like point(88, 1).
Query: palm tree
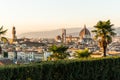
point(3, 39)
point(104, 33)
point(59, 52)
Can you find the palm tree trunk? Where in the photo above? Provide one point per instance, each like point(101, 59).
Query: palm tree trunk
point(104, 48)
point(104, 51)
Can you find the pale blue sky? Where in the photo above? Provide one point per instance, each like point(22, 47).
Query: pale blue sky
point(38, 15)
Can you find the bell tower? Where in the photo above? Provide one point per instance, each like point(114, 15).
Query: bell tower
point(64, 36)
point(14, 34)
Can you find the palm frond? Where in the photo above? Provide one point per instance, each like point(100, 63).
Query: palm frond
point(108, 39)
point(94, 31)
point(4, 39)
point(113, 33)
point(3, 32)
point(1, 28)
point(96, 37)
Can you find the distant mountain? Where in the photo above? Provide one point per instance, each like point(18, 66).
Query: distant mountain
point(117, 30)
point(54, 33)
point(50, 34)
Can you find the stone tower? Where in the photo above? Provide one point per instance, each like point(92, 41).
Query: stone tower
point(64, 35)
point(14, 34)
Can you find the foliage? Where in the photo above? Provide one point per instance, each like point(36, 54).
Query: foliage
point(2, 32)
point(104, 32)
point(4, 39)
point(59, 52)
point(81, 69)
point(82, 53)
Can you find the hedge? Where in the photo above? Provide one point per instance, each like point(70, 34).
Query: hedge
point(82, 69)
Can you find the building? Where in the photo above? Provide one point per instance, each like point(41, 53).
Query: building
point(64, 36)
point(70, 39)
point(58, 38)
point(14, 37)
point(85, 36)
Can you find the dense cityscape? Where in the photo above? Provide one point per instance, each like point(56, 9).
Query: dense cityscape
point(25, 50)
point(59, 40)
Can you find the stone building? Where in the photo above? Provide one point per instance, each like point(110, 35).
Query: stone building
point(14, 37)
point(85, 36)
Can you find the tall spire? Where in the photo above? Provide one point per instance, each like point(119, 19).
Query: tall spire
point(64, 35)
point(14, 34)
point(84, 25)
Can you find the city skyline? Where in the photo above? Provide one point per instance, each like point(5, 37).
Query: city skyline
point(44, 15)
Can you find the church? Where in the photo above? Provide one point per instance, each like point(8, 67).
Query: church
point(84, 37)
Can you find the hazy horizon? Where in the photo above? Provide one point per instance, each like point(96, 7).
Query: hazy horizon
point(45, 15)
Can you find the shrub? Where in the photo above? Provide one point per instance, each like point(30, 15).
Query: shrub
point(80, 69)
point(59, 52)
point(82, 53)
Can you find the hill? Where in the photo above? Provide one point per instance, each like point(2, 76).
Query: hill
point(54, 33)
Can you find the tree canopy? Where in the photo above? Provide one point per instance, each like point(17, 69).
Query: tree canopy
point(59, 52)
point(104, 31)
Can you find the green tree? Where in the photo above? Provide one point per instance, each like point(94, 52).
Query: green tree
point(59, 52)
point(3, 39)
point(104, 31)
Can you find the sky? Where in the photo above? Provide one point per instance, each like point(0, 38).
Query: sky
point(44, 15)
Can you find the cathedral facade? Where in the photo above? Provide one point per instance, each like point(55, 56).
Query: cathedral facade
point(84, 37)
